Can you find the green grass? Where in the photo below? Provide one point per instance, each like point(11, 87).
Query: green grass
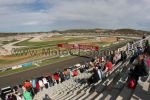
point(45, 43)
point(8, 61)
point(7, 41)
point(103, 43)
point(46, 62)
point(7, 72)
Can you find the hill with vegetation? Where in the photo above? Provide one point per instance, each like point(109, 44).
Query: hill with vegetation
point(97, 31)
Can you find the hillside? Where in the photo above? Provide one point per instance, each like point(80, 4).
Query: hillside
point(131, 31)
point(117, 31)
point(76, 31)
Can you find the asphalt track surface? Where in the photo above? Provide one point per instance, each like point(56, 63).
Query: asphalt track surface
point(19, 78)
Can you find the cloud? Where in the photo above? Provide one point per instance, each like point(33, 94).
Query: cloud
point(15, 2)
point(31, 23)
point(37, 15)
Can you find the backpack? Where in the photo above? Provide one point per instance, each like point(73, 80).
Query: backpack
point(132, 84)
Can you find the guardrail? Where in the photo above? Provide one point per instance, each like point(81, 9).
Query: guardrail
point(28, 64)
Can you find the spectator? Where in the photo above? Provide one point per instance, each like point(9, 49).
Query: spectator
point(62, 78)
point(27, 84)
point(45, 82)
point(20, 90)
point(56, 77)
point(87, 66)
point(14, 97)
point(27, 95)
point(37, 87)
point(135, 55)
point(41, 84)
point(147, 47)
point(100, 73)
point(46, 97)
point(139, 50)
point(9, 97)
point(15, 88)
point(18, 96)
point(108, 65)
point(34, 85)
point(92, 62)
point(110, 56)
point(102, 65)
point(75, 72)
point(139, 70)
point(146, 63)
point(95, 76)
point(116, 57)
point(50, 80)
point(67, 74)
point(123, 56)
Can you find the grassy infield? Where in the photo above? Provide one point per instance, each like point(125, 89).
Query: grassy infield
point(37, 45)
point(46, 62)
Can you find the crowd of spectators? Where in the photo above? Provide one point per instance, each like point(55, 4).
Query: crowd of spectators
point(104, 64)
point(141, 65)
point(99, 66)
point(140, 60)
point(30, 88)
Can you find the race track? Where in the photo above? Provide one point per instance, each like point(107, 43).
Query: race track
point(19, 78)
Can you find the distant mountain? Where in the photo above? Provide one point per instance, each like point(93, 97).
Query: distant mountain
point(96, 30)
point(76, 31)
point(117, 31)
point(21, 33)
point(131, 31)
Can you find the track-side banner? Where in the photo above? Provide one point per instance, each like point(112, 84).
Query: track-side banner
point(79, 46)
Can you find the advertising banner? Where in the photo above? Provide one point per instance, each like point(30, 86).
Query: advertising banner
point(26, 64)
point(79, 46)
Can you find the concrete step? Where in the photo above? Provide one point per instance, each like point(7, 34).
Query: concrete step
point(116, 86)
point(72, 94)
point(102, 86)
point(125, 94)
point(142, 91)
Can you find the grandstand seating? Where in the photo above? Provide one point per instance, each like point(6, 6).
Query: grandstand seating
point(113, 87)
point(109, 89)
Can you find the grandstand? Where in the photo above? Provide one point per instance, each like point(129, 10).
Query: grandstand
point(113, 86)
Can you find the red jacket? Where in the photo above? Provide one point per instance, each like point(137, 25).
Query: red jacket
point(37, 86)
point(56, 76)
point(75, 73)
point(27, 85)
point(109, 66)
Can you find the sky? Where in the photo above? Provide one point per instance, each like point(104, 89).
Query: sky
point(47, 15)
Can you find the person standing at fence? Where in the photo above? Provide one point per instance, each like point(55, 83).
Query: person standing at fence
point(34, 85)
point(37, 87)
point(41, 84)
point(62, 77)
point(27, 95)
point(95, 76)
point(45, 82)
point(75, 72)
point(29, 87)
point(108, 65)
point(49, 79)
point(67, 74)
point(56, 77)
point(27, 84)
point(20, 90)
